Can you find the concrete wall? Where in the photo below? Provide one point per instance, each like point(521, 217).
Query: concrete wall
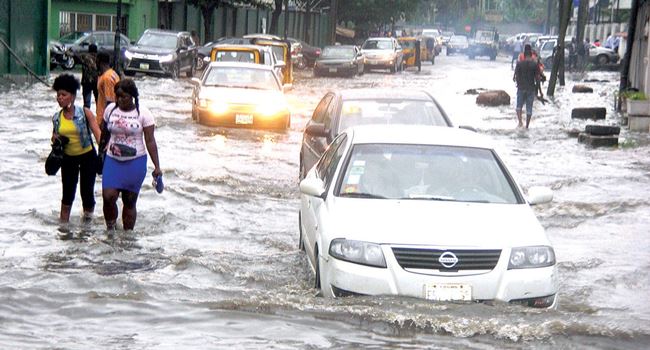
point(21, 27)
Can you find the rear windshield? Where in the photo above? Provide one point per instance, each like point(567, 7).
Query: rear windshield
point(385, 111)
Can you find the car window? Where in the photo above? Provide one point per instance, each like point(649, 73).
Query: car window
point(239, 77)
point(377, 45)
point(427, 172)
point(328, 117)
point(328, 163)
point(163, 41)
point(338, 52)
point(388, 111)
point(321, 108)
point(235, 56)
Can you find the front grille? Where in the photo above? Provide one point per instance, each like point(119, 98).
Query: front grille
point(468, 259)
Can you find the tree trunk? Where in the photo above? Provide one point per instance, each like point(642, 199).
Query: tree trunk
point(558, 59)
point(207, 11)
point(275, 17)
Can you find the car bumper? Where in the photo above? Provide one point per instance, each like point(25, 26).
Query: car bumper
point(383, 63)
point(523, 286)
point(336, 70)
point(243, 119)
point(149, 66)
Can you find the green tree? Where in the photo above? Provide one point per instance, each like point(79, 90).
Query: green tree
point(372, 15)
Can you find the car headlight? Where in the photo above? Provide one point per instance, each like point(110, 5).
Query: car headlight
point(215, 106)
point(357, 252)
point(166, 58)
point(128, 54)
point(269, 109)
point(531, 257)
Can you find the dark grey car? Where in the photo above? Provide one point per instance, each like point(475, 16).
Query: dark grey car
point(339, 110)
point(162, 52)
point(344, 60)
point(77, 43)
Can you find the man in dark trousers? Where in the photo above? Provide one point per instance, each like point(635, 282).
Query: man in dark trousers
point(527, 79)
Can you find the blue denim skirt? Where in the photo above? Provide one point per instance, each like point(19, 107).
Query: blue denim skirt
point(124, 175)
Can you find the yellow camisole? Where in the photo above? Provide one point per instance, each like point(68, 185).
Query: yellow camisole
point(68, 129)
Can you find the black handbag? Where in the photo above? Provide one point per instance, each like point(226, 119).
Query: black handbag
point(54, 159)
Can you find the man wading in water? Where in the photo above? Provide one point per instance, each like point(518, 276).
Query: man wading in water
point(527, 79)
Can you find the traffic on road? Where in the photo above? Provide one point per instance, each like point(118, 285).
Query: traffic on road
point(322, 207)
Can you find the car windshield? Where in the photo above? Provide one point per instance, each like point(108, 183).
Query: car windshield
point(337, 52)
point(426, 172)
point(71, 37)
point(162, 41)
point(390, 111)
point(241, 77)
point(235, 56)
point(377, 45)
point(484, 36)
point(458, 39)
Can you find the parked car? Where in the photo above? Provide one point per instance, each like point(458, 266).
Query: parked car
point(344, 60)
point(597, 55)
point(339, 110)
point(484, 43)
point(163, 52)
point(382, 53)
point(446, 36)
point(59, 56)
point(457, 44)
point(77, 43)
point(424, 212)
point(309, 53)
point(246, 95)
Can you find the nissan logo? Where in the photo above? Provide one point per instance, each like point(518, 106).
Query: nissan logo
point(448, 259)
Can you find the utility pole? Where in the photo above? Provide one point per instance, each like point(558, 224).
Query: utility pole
point(631, 33)
point(286, 20)
point(564, 8)
point(116, 45)
point(547, 24)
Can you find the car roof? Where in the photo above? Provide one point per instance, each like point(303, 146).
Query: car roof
point(418, 135)
point(379, 38)
point(388, 94)
point(242, 65)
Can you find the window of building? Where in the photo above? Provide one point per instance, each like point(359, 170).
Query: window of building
point(79, 22)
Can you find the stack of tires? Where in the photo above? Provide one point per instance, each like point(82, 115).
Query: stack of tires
point(600, 135)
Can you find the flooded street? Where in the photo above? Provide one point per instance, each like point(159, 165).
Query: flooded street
point(214, 259)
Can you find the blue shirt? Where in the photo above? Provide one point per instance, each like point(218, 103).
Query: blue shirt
point(80, 122)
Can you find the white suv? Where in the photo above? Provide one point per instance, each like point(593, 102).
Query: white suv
point(382, 53)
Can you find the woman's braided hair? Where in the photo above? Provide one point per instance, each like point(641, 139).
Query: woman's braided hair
point(128, 85)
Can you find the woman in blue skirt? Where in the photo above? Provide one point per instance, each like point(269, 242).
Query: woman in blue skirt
point(125, 166)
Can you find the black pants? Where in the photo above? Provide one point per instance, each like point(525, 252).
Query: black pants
point(74, 167)
point(86, 90)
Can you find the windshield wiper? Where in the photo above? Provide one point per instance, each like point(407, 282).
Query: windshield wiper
point(430, 197)
point(361, 195)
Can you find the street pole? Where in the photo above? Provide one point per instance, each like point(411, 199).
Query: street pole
point(116, 45)
point(333, 14)
point(549, 5)
point(286, 19)
point(631, 33)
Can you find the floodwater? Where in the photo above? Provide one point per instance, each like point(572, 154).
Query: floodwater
point(214, 260)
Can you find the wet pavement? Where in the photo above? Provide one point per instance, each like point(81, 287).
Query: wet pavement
point(214, 259)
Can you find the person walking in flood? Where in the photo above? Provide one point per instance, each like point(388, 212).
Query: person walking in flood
point(89, 75)
point(516, 50)
point(79, 158)
point(131, 127)
point(527, 78)
point(105, 84)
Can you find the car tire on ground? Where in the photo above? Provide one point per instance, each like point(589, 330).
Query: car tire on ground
point(602, 59)
point(317, 283)
point(175, 71)
point(68, 64)
point(602, 130)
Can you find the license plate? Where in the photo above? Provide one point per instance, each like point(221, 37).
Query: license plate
point(243, 119)
point(447, 291)
point(373, 62)
point(144, 65)
point(332, 70)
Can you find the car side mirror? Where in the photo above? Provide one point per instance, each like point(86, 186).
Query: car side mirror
point(317, 130)
point(312, 186)
point(539, 195)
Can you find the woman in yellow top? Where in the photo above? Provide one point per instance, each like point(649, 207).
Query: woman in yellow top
point(79, 158)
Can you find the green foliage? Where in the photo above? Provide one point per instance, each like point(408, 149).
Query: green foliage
point(634, 95)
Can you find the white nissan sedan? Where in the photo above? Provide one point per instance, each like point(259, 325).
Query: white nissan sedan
point(426, 212)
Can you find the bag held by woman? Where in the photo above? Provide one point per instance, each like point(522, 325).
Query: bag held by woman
point(54, 159)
